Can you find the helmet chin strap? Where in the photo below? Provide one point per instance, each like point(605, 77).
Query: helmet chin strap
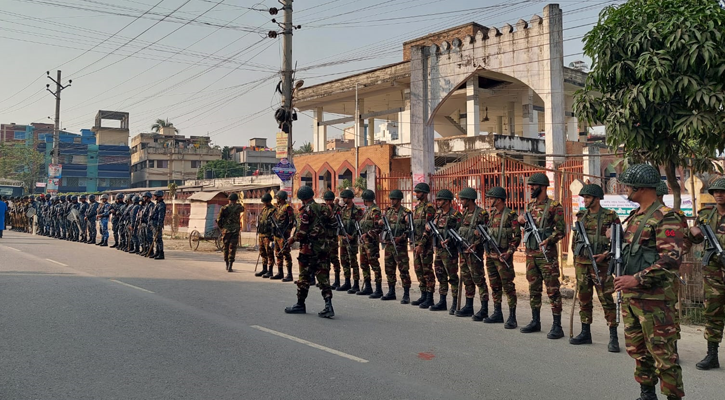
point(536, 192)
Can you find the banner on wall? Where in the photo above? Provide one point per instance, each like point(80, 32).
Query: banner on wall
point(623, 207)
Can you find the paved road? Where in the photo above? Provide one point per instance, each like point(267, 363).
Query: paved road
point(82, 322)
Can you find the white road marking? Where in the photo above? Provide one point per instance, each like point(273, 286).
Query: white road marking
point(308, 343)
point(131, 286)
point(13, 248)
point(56, 262)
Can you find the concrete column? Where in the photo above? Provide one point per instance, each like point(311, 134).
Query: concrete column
point(511, 118)
point(319, 132)
point(529, 117)
point(361, 123)
point(572, 123)
point(592, 164)
point(421, 132)
point(371, 131)
point(404, 120)
point(473, 111)
point(552, 84)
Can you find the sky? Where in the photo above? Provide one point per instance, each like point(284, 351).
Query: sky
point(208, 66)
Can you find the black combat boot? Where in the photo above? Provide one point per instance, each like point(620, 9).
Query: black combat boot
point(391, 292)
point(115, 244)
point(441, 305)
point(345, 286)
point(556, 332)
point(467, 310)
point(511, 321)
point(263, 271)
point(367, 289)
point(297, 308)
point(673, 397)
point(279, 275)
point(406, 296)
point(496, 317)
point(585, 337)
point(328, 311)
point(227, 263)
point(535, 324)
point(269, 272)
point(454, 306)
point(647, 393)
point(288, 277)
point(710, 361)
point(613, 346)
point(159, 256)
point(152, 254)
point(336, 283)
point(355, 286)
point(99, 243)
point(378, 293)
point(421, 299)
point(104, 243)
point(230, 266)
point(428, 300)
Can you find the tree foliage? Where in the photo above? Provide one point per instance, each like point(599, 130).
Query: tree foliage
point(304, 149)
point(222, 169)
point(21, 163)
point(163, 123)
point(657, 82)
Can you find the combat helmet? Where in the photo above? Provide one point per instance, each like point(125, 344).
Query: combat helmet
point(368, 195)
point(266, 198)
point(444, 194)
point(468, 193)
point(717, 185)
point(496, 192)
point(538, 179)
point(159, 193)
point(119, 196)
point(395, 195)
point(593, 190)
point(422, 187)
point(328, 195)
point(662, 188)
point(281, 195)
point(104, 197)
point(304, 193)
point(147, 194)
point(640, 176)
point(347, 194)
point(233, 197)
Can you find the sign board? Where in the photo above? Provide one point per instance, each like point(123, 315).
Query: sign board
point(623, 207)
point(40, 184)
point(281, 145)
point(52, 186)
point(285, 170)
point(55, 170)
point(287, 187)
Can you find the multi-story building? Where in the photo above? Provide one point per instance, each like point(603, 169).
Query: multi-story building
point(157, 159)
point(256, 158)
point(28, 134)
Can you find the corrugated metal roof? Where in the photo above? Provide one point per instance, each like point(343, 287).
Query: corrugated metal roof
point(205, 196)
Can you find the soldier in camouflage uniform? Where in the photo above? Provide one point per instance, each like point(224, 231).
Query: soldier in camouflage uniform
point(713, 275)
point(472, 273)
point(423, 212)
point(313, 242)
point(504, 229)
point(285, 218)
point(228, 221)
point(549, 218)
point(446, 260)
point(652, 253)
point(264, 230)
point(334, 246)
point(596, 221)
point(349, 242)
point(398, 218)
point(370, 246)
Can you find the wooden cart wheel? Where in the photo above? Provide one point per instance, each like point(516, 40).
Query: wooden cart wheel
point(194, 240)
point(218, 239)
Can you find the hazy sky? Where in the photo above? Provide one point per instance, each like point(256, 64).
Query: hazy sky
point(206, 64)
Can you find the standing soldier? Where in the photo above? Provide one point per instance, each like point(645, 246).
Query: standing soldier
point(506, 233)
point(334, 246)
point(423, 212)
point(396, 248)
point(713, 274)
point(116, 212)
point(446, 260)
point(157, 223)
point(472, 272)
point(264, 230)
point(144, 212)
point(150, 227)
point(349, 242)
point(284, 216)
point(132, 223)
point(313, 240)
point(596, 221)
point(370, 246)
point(229, 222)
point(652, 254)
point(83, 210)
point(104, 211)
point(543, 267)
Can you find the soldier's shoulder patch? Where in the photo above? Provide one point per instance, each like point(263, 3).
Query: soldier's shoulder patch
point(406, 210)
point(580, 213)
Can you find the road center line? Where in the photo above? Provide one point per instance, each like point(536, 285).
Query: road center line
point(131, 286)
point(12, 248)
point(308, 343)
point(56, 262)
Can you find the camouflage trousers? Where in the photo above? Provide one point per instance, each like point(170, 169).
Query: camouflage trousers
point(348, 259)
point(714, 280)
point(473, 276)
point(401, 261)
point(501, 279)
point(230, 241)
point(283, 256)
point(539, 273)
point(265, 250)
point(310, 264)
point(370, 259)
point(650, 332)
point(423, 266)
point(446, 266)
point(334, 254)
point(585, 285)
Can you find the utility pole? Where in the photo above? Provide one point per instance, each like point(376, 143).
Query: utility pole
point(56, 129)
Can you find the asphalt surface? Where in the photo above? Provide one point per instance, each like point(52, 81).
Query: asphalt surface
point(82, 322)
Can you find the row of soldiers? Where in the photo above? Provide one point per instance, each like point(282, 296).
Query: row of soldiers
point(136, 222)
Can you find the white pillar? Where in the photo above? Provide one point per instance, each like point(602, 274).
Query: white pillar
point(421, 132)
point(404, 120)
point(511, 118)
point(592, 164)
point(529, 117)
point(371, 131)
point(361, 123)
point(473, 112)
point(319, 132)
point(572, 123)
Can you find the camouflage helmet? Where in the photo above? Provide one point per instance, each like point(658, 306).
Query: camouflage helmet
point(83, 197)
point(662, 188)
point(104, 197)
point(281, 195)
point(593, 190)
point(538, 179)
point(347, 194)
point(422, 187)
point(395, 195)
point(266, 198)
point(640, 176)
point(717, 185)
point(304, 193)
point(62, 198)
point(119, 196)
point(92, 197)
point(444, 194)
point(233, 197)
point(328, 195)
point(136, 198)
point(159, 193)
point(496, 192)
point(468, 193)
point(368, 195)
point(74, 198)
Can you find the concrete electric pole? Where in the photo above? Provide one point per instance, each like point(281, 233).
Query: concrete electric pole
point(56, 129)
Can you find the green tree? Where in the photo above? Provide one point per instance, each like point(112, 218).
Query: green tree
point(226, 150)
point(160, 123)
point(222, 169)
point(21, 163)
point(656, 82)
point(304, 149)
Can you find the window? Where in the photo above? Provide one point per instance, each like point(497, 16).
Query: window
point(19, 135)
point(151, 163)
point(196, 164)
point(162, 163)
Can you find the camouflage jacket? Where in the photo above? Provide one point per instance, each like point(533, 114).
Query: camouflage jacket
point(423, 212)
point(445, 221)
point(331, 225)
point(655, 257)
point(549, 217)
point(229, 218)
point(601, 220)
point(349, 215)
point(398, 222)
point(505, 229)
point(469, 221)
point(708, 216)
point(369, 224)
point(311, 232)
point(264, 226)
point(285, 217)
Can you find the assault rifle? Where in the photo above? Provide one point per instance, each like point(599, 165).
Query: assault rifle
point(463, 243)
point(389, 233)
point(488, 240)
point(615, 264)
point(529, 229)
point(341, 229)
point(411, 231)
point(713, 245)
point(437, 235)
point(586, 245)
point(359, 232)
point(279, 233)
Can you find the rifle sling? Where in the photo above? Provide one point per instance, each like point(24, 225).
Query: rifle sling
point(635, 239)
